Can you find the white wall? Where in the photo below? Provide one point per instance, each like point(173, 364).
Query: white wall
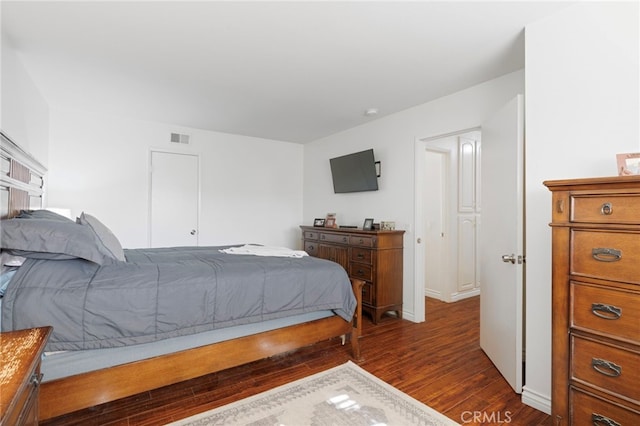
point(582, 109)
point(24, 114)
point(393, 139)
point(251, 189)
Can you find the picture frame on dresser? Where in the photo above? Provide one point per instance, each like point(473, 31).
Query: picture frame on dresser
point(628, 164)
point(368, 225)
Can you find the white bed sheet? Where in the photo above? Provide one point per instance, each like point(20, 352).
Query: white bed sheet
point(56, 365)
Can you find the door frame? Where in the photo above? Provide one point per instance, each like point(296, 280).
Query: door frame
point(420, 145)
point(150, 189)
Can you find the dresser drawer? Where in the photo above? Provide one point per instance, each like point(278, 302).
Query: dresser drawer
point(368, 294)
point(311, 235)
point(311, 247)
point(589, 410)
point(361, 271)
point(361, 255)
point(606, 310)
point(607, 255)
point(609, 367)
point(623, 208)
point(24, 410)
point(362, 241)
point(334, 238)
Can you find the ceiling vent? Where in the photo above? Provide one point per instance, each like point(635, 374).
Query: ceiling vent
point(178, 138)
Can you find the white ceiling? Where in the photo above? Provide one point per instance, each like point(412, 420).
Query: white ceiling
point(290, 71)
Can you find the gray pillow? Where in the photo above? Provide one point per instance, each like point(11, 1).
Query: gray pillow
point(42, 214)
point(104, 235)
point(52, 239)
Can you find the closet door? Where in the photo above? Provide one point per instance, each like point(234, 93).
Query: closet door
point(174, 199)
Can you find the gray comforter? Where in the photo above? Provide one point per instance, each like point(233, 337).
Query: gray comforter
point(169, 292)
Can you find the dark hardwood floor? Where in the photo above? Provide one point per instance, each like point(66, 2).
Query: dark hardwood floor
point(438, 362)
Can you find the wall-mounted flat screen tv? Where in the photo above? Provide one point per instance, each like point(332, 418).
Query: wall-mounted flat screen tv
point(354, 172)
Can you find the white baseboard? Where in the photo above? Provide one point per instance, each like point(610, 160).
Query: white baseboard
point(464, 295)
point(408, 316)
point(536, 400)
point(432, 294)
point(453, 297)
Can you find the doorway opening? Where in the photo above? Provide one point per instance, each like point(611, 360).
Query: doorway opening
point(448, 215)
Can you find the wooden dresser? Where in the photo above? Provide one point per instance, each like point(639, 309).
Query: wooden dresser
point(372, 256)
point(20, 375)
point(596, 301)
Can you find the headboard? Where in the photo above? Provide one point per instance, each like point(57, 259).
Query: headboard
point(21, 179)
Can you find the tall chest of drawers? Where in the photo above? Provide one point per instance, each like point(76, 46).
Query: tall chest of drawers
point(372, 256)
point(596, 301)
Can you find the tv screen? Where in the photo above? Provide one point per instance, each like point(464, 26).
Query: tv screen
point(354, 172)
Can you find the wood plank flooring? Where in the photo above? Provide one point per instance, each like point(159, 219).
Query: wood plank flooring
point(438, 362)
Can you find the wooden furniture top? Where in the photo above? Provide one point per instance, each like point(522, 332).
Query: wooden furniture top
point(20, 352)
point(351, 230)
point(376, 238)
point(620, 182)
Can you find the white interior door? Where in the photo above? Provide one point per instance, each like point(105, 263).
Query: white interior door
point(434, 210)
point(174, 199)
point(502, 241)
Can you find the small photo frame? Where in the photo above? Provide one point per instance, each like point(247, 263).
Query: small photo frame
point(318, 222)
point(628, 164)
point(330, 221)
point(368, 225)
point(387, 226)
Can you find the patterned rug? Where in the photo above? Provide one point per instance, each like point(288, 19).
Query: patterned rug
point(344, 395)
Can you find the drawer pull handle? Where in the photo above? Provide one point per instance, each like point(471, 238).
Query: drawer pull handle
point(606, 311)
point(360, 272)
point(606, 254)
point(600, 420)
point(605, 367)
point(311, 247)
point(360, 256)
point(36, 379)
point(606, 209)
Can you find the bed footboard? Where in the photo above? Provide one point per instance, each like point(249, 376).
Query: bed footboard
point(81, 391)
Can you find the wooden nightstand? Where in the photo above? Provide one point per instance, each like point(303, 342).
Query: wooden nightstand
point(20, 353)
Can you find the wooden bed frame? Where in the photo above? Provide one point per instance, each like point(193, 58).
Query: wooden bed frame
point(74, 393)
point(21, 186)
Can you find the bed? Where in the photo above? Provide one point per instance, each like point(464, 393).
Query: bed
point(129, 337)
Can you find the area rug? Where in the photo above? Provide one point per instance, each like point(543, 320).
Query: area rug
point(344, 395)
